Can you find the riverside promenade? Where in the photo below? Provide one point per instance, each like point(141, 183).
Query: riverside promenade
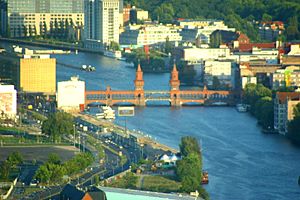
point(110, 126)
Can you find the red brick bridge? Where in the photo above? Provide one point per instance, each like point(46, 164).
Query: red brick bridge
point(175, 96)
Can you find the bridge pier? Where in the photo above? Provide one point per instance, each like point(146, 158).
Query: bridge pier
point(176, 102)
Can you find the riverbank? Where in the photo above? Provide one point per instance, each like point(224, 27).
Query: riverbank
point(64, 46)
point(141, 138)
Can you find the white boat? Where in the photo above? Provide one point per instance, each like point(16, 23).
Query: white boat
point(88, 68)
point(241, 107)
point(106, 113)
point(113, 54)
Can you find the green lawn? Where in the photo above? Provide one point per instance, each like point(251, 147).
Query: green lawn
point(160, 184)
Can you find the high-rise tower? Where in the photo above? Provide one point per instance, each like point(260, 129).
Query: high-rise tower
point(102, 20)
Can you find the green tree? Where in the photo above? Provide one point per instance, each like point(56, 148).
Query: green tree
point(168, 46)
point(264, 111)
point(292, 29)
point(266, 17)
point(114, 46)
point(294, 125)
point(4, 170)
point(57, 125)
point(165, 13)
point(15, 159)
point(43, 174)
point(54, 159)
point(216, 83)
point(189, 171)
point(189, 145)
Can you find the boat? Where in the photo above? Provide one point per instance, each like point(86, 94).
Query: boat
point(106, 113)
point(241, 107)
point(88, 68)
point(113, 54)
point(204, 178)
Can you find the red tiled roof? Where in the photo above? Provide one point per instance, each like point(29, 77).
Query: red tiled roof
point(248, 47)
point(283, 96)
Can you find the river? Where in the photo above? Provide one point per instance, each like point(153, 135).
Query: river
point(242, 162)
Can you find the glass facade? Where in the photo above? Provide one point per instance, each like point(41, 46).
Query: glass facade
point(45, 6)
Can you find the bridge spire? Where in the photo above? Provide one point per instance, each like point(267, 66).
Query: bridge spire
point(139, 81)
point(174, 82)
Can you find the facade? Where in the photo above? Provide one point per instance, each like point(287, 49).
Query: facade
point(191, 33)
point(8, 101)
point(3, 18)
point(248, 79)
point(102, 20)
point(39, 17)
point(288, 77)
point(137, 14)
point(38, 74)
point(270, 30)
point(284, 104)
point(140, 35)
point(70, 95)
point(219, 69)
point(197, 54)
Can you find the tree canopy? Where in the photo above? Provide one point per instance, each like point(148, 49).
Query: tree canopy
point(57, 125)
point(236, 13)
point(294, 125)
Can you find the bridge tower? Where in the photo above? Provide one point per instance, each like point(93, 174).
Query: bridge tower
point(139, 87)
point(174, 90)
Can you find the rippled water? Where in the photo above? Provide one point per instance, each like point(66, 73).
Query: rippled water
point(242, 162)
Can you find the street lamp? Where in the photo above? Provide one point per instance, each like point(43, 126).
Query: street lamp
point(74, 134)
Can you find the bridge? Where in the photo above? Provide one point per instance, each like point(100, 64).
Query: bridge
point(175, 96)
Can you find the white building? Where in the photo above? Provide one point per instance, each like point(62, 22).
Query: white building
point(198, 54)
point(248, 79)
point(288, 77)
point(220, 69)
point(102, 20)
point(8, 101)
point(70, 94)
point(193, 31)
point(137, 35)
point(284, 104)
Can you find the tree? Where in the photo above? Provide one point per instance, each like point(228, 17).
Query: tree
point(216, 83)
point(43, 174)
point(14, 159)
point(168, 46)
point(54, 159)
point(114, 46)
point(264, 111)
point(165, 13)
point(4, 170)
point(266, 17)
point(189, 145)
point(294, 125)
point(292, 29)
point(189, 171)
point(57, 125)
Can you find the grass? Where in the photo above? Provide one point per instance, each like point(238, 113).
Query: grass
point(9, 129)
point(160, 184)
point(24, 141)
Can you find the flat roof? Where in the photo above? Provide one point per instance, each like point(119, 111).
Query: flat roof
point(127, 194)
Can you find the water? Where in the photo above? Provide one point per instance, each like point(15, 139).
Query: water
point(242, 162)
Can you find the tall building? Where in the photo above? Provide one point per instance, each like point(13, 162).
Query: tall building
point(284, 104)
point(140, 35)
point(3, 18)
point(288, 77)
point(38, 17)
point(38, 74)
point(8, 101)
point(102, 21)
point(70, 94)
